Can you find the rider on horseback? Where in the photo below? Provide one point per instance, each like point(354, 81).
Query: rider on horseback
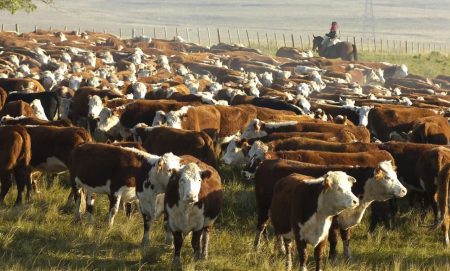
point(331, 38)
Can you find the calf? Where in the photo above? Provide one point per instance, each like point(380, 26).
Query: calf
point(15, 156)
point(160, 140)
point(116, 171)
point(193, 200)
point(432, 130)
point(50, 101)
point(310, 205)
point(17, 109)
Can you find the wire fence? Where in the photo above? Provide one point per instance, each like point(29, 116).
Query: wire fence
point(266, 40)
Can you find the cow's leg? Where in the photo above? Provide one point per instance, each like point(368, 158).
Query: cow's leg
point(318, 255)
point(6, 184)
point(168, 232)
point(178, 243)
point(80, 201)
point(205, 241)
point(261, 226)
point(345, 236)
point(288, 249)
point(302, 253)
point(128, 209)
point(22, 176)
point(20, 182)
point(147, 223)
point(445, 229)
point(114, 205)
point(333, 239)
point(34, 176)
point(279, 247)
point(195, 242)
point(90, 200)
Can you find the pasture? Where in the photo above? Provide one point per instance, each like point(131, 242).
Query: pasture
point(42, 235)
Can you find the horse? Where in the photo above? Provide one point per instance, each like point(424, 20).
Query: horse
point(344, 50)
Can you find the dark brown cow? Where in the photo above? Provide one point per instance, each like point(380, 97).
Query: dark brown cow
point(193, 200)
point(383, 120)
point(17, 109)
point(35, 121)
point(433, 130)
point(443, 187)
point(160, 140)
point(15, 156)
point(303, 209)
point(21, 84)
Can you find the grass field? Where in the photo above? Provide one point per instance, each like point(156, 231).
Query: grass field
point(42, 235)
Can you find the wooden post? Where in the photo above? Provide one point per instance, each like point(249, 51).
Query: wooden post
point(142, 31)
point(284, 40)
point(381, 45)
point(229, 36)
point(412, 47)
point(276, 41)
point(374, 46)
point(267, 39)
point(248, 38)
point(3, 28)
point(120, 32)
point(354, 40)
point(301, 42)
point(218, 35)
point(17, 28)
point(65, 28)
point(154, 32)
point(257, 36)
point(238, 36)
point(309, 42)
point(165, 33)
point(362, 44)
point(50, 28)
point(209, 37)
point(132, 32)
point(176, 31)
point(387, 46)
point(79, 30)
point(198, 35)
point(187, 34)
point(292, 37)
point(35, 28)
point(406, 46)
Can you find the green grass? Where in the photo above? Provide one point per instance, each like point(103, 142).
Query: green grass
point(42, 235)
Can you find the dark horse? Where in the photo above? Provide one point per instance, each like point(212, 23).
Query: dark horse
point(343, 49)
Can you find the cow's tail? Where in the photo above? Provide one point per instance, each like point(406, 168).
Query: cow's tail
point(355, 53)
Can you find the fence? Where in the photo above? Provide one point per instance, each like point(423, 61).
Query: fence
point(265, 40)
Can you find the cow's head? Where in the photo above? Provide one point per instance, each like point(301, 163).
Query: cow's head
point(75, 82)
point(190, 179)
point(162, 170)
point(363, 114)
point(38, 110)
point(303, 89)
point(107, 120)
point(384, 184)
point(139, 90)
point(267, 79)
point(160, 118)
point(93, 81)
point(95, 106)
point(25, 69)
point(255, 129)
point(48, 80)
point(236, 152)
point(66, 58)
point(337, 193)
point(174, 118)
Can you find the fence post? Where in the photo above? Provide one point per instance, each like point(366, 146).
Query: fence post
point(79, 29)
point(50, 28)
point(276, 41)
point(239, 37)
point(165, 33)
point(229, 36)
point(381, 45)
point(374, 45)
point(209, 37)
point(176, 31)
point(142, 31)
point(154, 32)
point(132, 32)
point(309, 42)
point(257, 36)
point(104, 31)
point(65, 28)
point(120, 32)
point(292, 37)
point(218, 35)
point(393, 41)
point(301, 42)
point(412, 47)
point(198, 35)
point(17, 28)
point(187, 34)
point(267, 39)
point(406, 46)
point(362, 49)
point(3, 28)
point(354, 40)
point(35, 28)
point(248, 38)
point(284, 40)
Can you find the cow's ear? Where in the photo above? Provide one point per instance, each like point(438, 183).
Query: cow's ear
point(378, 174)
point(206, 174)
point(159, 165)
point(327, 182)
point(351, 179)
point(108, 141)
point(257, 126)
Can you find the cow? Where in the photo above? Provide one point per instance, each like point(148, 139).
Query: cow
point(17, 109)
point(21, 85)
point(160, 140)
point(193, 199)
point(34, 121)
point(443, 202)
point(15, 156)
point(432, 130)
point(116, 171)
point(257, 128)
point(199, 118)
point(303, 210)
point(50, 101)
point(383, 120)
point(3, 96)
point(381, 177)
point(51, 147)
point(357, 115)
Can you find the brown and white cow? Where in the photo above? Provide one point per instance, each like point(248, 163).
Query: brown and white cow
point(304, 210)
point(17, 109)
point(433, 130)
point(15, 156)
point(193, 200)
point(117, 172)
point(6, 120)
point(443, 186)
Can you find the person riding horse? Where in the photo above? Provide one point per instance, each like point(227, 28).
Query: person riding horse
point(331, 38)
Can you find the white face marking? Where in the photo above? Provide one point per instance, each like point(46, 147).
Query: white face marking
point(107, 120)
point(160, 118)
point(38, 110)
point(339, 196)
point(139, 90)
point(75, 82)
point(363, 113)
point(267, 79)
point(389, 185)
point(190, 183)
point(233, 154)
point(258, 150)
point(95, 106)
point(174, 118)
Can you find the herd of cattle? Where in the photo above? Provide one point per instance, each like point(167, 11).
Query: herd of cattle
point(321, 140)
